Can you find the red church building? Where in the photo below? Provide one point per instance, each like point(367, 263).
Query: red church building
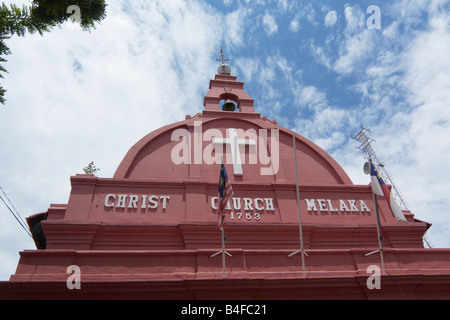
point(151, 231)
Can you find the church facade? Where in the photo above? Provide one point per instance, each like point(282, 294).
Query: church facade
point(151, 232)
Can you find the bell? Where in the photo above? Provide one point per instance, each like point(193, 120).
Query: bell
point(228, 105)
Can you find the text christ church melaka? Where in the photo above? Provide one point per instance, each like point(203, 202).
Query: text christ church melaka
point(149, 231)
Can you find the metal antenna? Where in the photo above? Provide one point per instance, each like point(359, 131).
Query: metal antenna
point(368, 152)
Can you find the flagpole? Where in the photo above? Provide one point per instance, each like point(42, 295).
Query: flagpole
point(301, 251)
point(223, 252)
point(223, 239)
point(380, 238)
point(368, 170)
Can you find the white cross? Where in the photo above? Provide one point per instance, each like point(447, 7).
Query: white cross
point(234, 143)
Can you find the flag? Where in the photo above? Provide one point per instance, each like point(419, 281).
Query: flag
point(380, 188)
point(225, 194)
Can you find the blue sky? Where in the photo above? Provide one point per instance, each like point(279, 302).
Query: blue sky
point(75, 97)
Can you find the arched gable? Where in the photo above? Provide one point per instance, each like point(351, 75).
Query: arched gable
point(157, 156)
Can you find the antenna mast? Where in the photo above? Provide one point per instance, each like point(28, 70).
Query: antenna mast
point(369, 154)
point(366, 147)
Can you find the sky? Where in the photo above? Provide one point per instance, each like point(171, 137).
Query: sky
point(320, 68)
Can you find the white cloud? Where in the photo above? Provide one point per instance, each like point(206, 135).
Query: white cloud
point(294, 26)
point(310, 14)
point(270, 25)
point(235, 26)
point(404, 82)
point(325, 126)
point(249, 67)
point(391, 31)
point(330, 141)
point(428, 81)
point(355, 49)
point(405, 93)
point(75, 96)
point(311, 97)
point(320, 55)
point(283, 5)
point(355, 45)
point(331, 18)
point(354, 18)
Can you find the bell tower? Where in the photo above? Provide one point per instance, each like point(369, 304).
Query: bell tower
point(225, 87)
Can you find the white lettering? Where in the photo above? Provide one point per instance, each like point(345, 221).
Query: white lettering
point(374, 21)
point(213, 202)
point(352, 205)
point(373, 282)
point(164, 199)
point(311, 204)
point(248, 138)
point(144, 202)
point(212, 148)
point(183, 147)
point(322, 205)
point(198, 142)
point(107, 203)
point(343, 206)
point(269, 204)
point(331, 206)
point(264, 156)
point(76, 16)
point(74, 280)
point(121, 201)
point(153, 202)
point(257, 207)
point(235, 147)
point(364, 207)
point(133, 201)
point(248, 204)
point(193, 310)
point(237, 203)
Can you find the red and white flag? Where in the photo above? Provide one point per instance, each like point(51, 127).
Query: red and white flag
point(225, 194)
point(380, 188)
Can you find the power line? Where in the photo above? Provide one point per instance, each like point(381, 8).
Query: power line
point(15, 210)
point(15, 213)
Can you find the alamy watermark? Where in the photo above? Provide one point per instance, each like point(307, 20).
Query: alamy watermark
point(262, 149)
point(374, 281)
point(74, 280)
point(374, 20)
point(75, 11)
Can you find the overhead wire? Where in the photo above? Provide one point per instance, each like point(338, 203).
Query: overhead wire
point(12, 205)
point(15, 213)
